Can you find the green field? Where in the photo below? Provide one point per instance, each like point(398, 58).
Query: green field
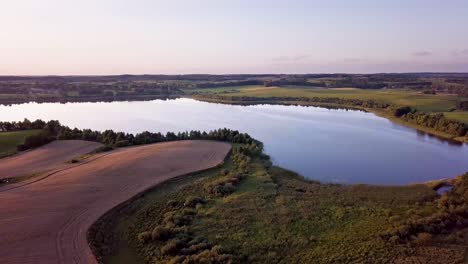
point(271, 216)
point(459, 116)
point(422, 102)
point(9, 141)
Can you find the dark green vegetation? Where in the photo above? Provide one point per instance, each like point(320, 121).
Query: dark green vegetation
point(52, 130)
point(444, 93)
point(17, 89)
point(10, 140)
point(419, 101)
point(435, 123)
point(248, 211)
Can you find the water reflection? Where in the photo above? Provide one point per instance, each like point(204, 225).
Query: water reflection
point(331, 145)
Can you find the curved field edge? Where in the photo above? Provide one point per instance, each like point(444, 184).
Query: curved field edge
point(101, 237)
point(44, 160)
point(248, 211)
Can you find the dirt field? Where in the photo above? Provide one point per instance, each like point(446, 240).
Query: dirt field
point(44, 158)
point(47, 221)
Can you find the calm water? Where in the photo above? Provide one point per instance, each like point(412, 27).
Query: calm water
point(327, 145)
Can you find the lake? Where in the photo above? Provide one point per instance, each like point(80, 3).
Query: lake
point(339, 146)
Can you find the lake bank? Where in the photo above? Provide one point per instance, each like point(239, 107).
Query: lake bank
point(268, 215)
point(377, 111)
point(308, 140)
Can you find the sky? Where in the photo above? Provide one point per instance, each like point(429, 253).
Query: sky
point(94, 37)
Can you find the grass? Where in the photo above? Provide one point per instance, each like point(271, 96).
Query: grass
point(273, 216)
point(419, 101)
point(422, 102)
point(459, 116)
point(9, 141)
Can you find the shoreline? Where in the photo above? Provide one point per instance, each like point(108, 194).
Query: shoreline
point(116, 222)
point(419, 128)
point(383, 114)
point(85, 99)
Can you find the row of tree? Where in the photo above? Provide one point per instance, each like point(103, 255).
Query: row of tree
point(21, 125)
point(436, 121)
point(53, 130)
point(321, 100)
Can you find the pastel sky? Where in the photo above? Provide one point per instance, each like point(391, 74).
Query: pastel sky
point(232, 36)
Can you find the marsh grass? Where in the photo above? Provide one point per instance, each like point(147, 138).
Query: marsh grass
point(275, 216)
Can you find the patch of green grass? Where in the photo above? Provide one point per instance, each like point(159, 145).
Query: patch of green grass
point(459, 116)
point(422, 102)
point(220, 90)
point(9, 141)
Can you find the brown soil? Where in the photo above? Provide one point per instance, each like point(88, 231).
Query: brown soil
point(47, 221)
point(45, 158)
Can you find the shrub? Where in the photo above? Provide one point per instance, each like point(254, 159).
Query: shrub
point(193, 201)
point(212, 256)
point(122, 143)
point(400, 111)
point(423, 238)
point(36, 140)
point(179, 218)
point(172, 203)
point(104, 148)
point(176, 259)
point(161, 233)
point(172, 247)
point(195, 248)
point(144, 237)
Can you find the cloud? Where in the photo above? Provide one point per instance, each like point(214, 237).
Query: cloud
point(421, 53)
point(462, 52)
point(295, 58)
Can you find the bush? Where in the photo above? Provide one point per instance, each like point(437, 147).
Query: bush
point(36, 140)
point(400, 111)
point(161, 233)
point(423, 238)
point(144, 237)
point(172, 203)
point(213, 256)
point(225, 185)
point(172, 247)
point(193, 201)
point(104, 148)
point(122, 143)
point(179, 218)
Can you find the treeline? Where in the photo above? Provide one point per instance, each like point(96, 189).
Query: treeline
point(436, 121)
point(21, 125)
point(19, 92)
point(53, 130)
point(227, 84)
point(297, 82)
point(319, 100)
